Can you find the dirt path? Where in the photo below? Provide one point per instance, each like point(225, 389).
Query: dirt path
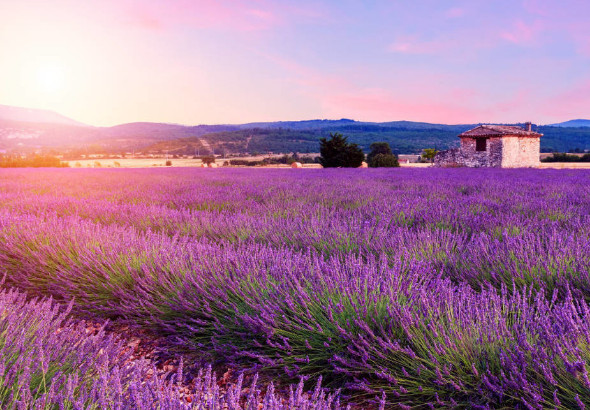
point(206, 145)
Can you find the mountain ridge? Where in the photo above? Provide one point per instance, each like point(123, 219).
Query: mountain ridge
point(36, 115)
point(277, 136)
point(573, 123)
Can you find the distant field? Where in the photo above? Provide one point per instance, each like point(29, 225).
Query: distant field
point(189, 162)
point(135, 163)
point(565, 165)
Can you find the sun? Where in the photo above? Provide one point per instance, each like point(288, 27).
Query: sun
point(51, 78)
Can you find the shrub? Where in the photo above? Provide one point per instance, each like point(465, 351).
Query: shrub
point(384, 161)
point(378, 148)
point(168, 163)
point(208, 159)
point(429, 154)
point(50, 361)
point(245, 163)
point(381, 156)
point(563, 157)
point(450, 286)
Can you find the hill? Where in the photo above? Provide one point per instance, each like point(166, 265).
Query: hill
point(31, 115)
point(24, 130)
point(405, 137)
point(573, 123)
point(303, 137)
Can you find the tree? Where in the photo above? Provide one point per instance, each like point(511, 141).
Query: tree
point(381, 156)
point(384, 161)
point(429, 154)
point(378, 148)
point(208, 159)
point(338, 152)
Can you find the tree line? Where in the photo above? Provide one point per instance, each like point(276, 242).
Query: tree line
point(36, 161)
point(337, 152)
point(563, 157)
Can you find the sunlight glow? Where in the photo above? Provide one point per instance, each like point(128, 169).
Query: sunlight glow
point(51, 78)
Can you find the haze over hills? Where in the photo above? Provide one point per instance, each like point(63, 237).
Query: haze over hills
point(20, 114)
point(24, 129)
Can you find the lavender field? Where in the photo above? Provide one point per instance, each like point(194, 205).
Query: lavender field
point(404, 288)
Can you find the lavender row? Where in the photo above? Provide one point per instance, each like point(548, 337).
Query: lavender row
point(496, 226)
point(49, 361)
point(185, 200)
point(402, 331)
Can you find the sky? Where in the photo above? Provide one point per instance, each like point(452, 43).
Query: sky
point(208, 62)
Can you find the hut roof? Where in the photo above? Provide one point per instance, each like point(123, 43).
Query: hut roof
point(498, 131)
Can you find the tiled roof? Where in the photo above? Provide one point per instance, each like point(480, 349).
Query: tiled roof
point(498, 131)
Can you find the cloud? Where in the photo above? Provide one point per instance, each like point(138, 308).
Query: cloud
point(147, 21)
point(522, 32)
point(571, 103)
point(382, 105)
point(455, 12)
point(236, 15)
point(583, 46)
point(421, 99)
point(427, 96)
point(412, 45)
point(540, 7)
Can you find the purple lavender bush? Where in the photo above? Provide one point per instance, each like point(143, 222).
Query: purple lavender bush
point(406, 287)
point(48, 361)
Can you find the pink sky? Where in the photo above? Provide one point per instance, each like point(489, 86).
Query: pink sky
point(194, 62)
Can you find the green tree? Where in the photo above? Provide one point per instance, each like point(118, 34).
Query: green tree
point(429, 154)
point(384, 161)
point(338, 152)
point(381, 156)
point(378, 148)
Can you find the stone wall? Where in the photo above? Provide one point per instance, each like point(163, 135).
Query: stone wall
point(468, 156)
point(519, 151)
point(507, 151)
point(449, 158)
point(491, 157)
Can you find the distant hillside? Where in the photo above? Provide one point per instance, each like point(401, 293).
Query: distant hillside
point(17, 135)
point(573, 123)
point(302, 125)
point(19, 114)
point(158, 131)
point(564, 139)
point(23, 136)
point(25, 130)
point(249, 140)
point(404, 137)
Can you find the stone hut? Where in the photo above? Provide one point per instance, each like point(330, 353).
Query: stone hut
point(494, 146)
